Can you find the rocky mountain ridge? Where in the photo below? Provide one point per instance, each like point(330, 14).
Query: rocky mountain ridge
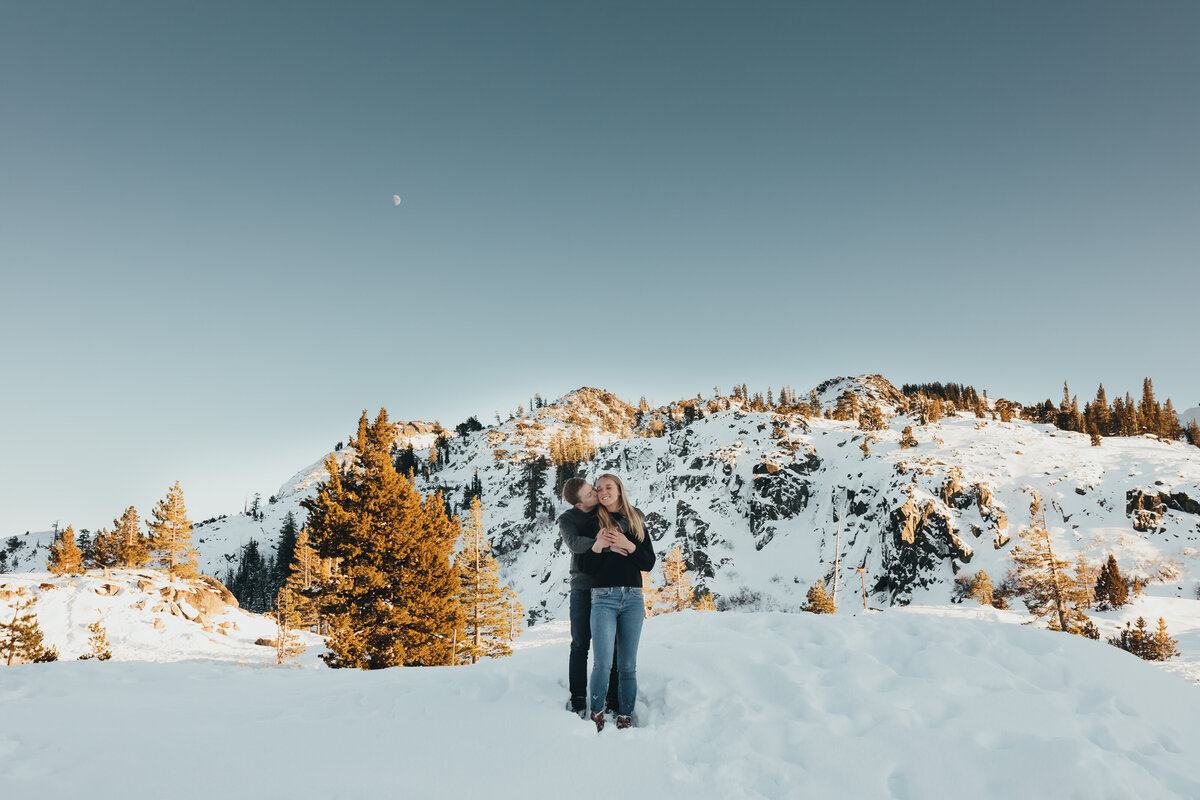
point(765, 503)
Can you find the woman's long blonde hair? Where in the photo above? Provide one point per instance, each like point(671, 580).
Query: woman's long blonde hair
point(635, 519)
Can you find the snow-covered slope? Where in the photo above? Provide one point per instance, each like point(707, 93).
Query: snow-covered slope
point(902, 705)
point(146, 617)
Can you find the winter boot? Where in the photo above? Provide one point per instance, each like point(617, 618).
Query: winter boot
point(598, 718)
point(624, 722)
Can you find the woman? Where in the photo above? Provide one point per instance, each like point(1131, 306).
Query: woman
point(621, 553)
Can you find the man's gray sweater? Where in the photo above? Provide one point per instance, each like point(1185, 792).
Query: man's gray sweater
point(578, 530)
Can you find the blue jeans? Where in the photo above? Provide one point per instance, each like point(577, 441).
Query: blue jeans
point(581, 640)
point(617, 615)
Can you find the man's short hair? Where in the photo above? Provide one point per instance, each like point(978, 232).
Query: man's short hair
point(571, 490)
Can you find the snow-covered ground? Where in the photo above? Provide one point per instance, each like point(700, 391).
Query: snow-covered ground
point(908, 703)
point(146, 617)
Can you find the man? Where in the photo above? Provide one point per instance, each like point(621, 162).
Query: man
point(578, 526)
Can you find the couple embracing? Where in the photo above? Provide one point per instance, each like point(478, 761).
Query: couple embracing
point(610, 549)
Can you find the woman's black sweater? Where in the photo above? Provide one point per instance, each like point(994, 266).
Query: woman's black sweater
point(613, 569)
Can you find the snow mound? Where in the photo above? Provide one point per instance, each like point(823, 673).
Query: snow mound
point(891, 705)
point(146, 617)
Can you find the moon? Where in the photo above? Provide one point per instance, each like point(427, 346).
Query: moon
point(396, 199)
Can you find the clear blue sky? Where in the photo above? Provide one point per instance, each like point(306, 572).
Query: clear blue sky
point(205, 278)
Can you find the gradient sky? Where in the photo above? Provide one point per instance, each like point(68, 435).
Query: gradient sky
point(205, 278)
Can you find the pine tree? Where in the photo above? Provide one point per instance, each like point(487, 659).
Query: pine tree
point(1134, 640)
point(1043, 578)
point(308, 574)
point(65, 557)
point(514, 613)
point(106, 550)
point(98, 643)
point(285, 552)
point(1148, 411)
point(1160, 646)
point(818, 600)
point(907, 439)
point(130, 546)
point(171, 535)
point(1100, 413)
point(980, 588)
point(21, 639)
point(1111, 589)
point(846, 407)
point(393, 598)
point(535, 481)
point(287, 643)
point(483, 599)
point(674, 592)
point(872, 419)
point(253, 583)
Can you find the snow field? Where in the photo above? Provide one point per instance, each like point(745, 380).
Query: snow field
point(901, 704)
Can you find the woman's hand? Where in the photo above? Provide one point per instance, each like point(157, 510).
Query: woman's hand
point(614, 540)
point(621, 543)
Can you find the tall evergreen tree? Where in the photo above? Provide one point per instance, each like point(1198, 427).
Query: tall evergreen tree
point(65, 557)
point(307, 576)
point(253, 584)
point(483, 598)
point(1148, 411)
point(285, 551)
point(171, 535)
point(393, 599)
point(535, 481)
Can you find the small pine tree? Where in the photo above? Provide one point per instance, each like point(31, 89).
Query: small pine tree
point(1111, 589)
point(1133, 639)
point(287, 642)
point(21, 639)
point(98, 643)
point(65, 556)
point(818, 600)
point(1157, 646)
point(981, 589)
point(907, 439)
point(514, 613)
point(674, 592)
point(872, 419)
point(1161, 646)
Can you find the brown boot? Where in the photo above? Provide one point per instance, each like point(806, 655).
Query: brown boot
point(598, 718)
point(624, 722)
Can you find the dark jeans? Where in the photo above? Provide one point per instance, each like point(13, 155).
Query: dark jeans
point(581, 639)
